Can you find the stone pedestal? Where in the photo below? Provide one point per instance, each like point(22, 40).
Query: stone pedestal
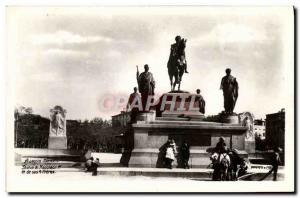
point(191, 115)
point(57, 142)
point(146, 116)
point(232, 119)
point(180, 105)
point(178, 117)
point(250, 146)
point(150, 138)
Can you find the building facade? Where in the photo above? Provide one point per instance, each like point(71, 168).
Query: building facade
point(260, 128)
point(275, 129)
point(121, 119)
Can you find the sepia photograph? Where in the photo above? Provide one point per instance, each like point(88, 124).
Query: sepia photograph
point(150, 99)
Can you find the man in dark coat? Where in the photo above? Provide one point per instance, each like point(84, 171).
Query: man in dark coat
point(275, 162)
point(185, 153)
point(221, 146)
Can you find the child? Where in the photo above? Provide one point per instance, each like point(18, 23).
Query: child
point(88, 164)
point(95, 165)
point(170, 153)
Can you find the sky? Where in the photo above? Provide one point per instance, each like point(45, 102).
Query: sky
point(77, 57)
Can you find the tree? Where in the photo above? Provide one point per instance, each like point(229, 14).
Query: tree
point(28, 110)
point(32, 130)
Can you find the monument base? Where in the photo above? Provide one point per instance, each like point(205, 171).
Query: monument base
point(147, 116)
point(150, 138)
point(153, 158)
point(178, 117)
point(57, 142)
point(231, 118)
point(191, 115)
point(250, 146)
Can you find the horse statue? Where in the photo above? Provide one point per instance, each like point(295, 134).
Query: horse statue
point(221, 165)
point(177, 63)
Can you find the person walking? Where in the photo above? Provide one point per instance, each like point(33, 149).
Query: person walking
point(275, 162)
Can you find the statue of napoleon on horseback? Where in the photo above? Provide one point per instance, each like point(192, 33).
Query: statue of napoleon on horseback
point(177, 63)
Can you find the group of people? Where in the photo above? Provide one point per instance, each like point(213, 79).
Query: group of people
point(221, 157)
point(171, 154)
point(91, 165)
point(226, 163)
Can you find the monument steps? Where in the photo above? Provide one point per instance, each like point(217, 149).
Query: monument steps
point(172, 119)
point(191, 122)
point(157, 172)
point(188, 125)
point(201, 174)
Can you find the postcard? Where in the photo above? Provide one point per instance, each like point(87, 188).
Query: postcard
point(150, 99)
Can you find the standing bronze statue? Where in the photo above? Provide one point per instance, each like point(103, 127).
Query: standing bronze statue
point(201, 102)
point(146, 84)
point(133, 99)
point(177, 62)
point(230, 88)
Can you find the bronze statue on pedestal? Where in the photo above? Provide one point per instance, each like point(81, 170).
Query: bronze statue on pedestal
point(230, 88)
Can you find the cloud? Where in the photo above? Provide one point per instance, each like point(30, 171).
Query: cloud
point(240, 33)
point(65, 52)
point(114, 54)
point(45, 77)
point(232, 33)
point(64, 37)
point(73, 60)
